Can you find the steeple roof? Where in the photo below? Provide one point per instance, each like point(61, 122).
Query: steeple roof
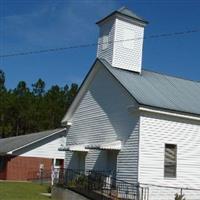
point(125, 12)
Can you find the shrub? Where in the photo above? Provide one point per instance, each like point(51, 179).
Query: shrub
point(49, 188)
point(81, 181)
point(71, 184)
point(179, 197)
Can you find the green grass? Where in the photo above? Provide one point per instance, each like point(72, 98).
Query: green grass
point(22, 191)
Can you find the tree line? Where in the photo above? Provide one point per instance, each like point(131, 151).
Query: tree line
point(26, 110)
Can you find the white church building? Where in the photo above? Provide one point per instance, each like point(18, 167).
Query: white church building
point(142, 127)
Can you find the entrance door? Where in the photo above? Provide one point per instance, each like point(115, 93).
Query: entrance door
point(111, 167)
point(112, 162)
point(81, 161)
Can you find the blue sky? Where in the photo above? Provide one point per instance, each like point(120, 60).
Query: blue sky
point(27, 25)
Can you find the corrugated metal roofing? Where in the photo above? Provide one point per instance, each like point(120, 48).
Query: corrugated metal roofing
point(159, 90)
point(127, 12)
point(12, 143)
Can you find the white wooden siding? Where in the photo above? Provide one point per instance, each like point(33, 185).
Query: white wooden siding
point(45, 149)
point(96, 160)
point(128, 58)
point(103, 116)
point(155, 131)
point(128, 157)
point(107, 29)
point(162, 193)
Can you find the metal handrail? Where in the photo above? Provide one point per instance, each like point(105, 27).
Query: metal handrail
point(102, 183)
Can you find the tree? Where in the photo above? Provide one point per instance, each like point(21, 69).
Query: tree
point(2, 80)
point(21, 89)
point(39, 87)
point(2, 103)
point(55, 102)
point(72, 93)
point(21, 97)
point(24, 111)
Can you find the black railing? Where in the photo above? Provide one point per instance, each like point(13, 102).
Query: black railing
point(40, 175)
point(100, 185)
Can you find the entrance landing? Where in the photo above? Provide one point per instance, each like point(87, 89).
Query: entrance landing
point(65, 194)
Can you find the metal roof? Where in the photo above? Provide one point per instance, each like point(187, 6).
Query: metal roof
point(125, 12)
point(129, 13)
point(115, 145)
point(13, 143)
point(159, 90)
point(76, 148)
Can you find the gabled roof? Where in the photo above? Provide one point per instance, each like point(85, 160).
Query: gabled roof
point(14, 143)
point(125, 12)
point(148, 89)
point(159, 90)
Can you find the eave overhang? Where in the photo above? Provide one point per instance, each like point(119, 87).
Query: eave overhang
point(167, 112)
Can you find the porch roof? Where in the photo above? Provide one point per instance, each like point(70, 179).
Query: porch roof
point(78, 148)
point(115, 145)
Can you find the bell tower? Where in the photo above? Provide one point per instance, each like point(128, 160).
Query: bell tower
point(121, 39)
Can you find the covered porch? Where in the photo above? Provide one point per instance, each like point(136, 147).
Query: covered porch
point(94, 185)
point(96, 157)
point(92, 170)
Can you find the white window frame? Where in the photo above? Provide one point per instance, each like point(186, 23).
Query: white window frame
point(174, 165)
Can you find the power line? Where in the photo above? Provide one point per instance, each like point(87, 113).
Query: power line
point(95, 44)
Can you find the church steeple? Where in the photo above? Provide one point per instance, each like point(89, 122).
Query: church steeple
point(121, 39)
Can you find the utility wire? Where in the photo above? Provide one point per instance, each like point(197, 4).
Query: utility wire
point(95, 44)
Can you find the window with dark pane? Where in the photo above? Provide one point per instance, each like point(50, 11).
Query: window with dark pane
point(170, 160)
point(58, 162)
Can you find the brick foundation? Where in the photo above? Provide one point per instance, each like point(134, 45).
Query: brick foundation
point(3, 175)
point(24, 168)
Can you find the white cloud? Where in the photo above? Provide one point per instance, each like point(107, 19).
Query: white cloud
point(53, 24)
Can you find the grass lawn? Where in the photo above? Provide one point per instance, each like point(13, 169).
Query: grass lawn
point(22, 191)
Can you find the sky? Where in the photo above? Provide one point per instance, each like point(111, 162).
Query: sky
point(31, 25)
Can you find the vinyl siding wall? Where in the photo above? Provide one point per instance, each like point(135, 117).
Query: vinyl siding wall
point(103, 116)
point(123, 57)
point(106, 29)
point(155, 131)
point(47, 148)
